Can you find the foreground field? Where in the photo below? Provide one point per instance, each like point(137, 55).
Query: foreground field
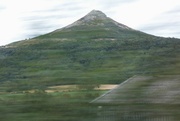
point(56, 103)
point(69, 103)
point(42, 106)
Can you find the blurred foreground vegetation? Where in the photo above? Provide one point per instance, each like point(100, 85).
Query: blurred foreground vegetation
point(75, 106)
point(41, 106)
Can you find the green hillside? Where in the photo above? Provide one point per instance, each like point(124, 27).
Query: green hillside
point(93, 50)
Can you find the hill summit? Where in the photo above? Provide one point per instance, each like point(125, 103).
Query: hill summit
point(96, 14)
point(96, 18)
point(95, 26)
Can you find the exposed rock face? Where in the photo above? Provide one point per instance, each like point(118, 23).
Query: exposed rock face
point(96, 18)
point(94, 14)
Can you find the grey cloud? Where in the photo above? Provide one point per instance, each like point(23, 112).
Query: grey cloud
point(166, 29)
point(2, 8)
point(38, 25)
point(114, 2)
point(167, 20)
point(174, 11)
point(167, 25)
point(41, 27)
point(44, 21)
point(107, 4)
point(46, 17)
point(71, 6)
point(60, 8)
point(59, 11)
point(34, 28)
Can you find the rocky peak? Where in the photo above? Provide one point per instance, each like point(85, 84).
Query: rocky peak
point(95, 18)
point(89, 18)
point(94, 14)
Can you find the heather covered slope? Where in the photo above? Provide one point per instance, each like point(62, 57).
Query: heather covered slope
point(93, 50)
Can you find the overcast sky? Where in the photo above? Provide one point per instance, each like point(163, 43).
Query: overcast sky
point(22, 19)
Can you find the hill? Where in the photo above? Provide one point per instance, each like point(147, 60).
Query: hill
point(93, 50)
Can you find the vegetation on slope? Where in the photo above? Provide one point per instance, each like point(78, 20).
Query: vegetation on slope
point(86, 61)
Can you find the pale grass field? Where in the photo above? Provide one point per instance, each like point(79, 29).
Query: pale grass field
point(64, 88)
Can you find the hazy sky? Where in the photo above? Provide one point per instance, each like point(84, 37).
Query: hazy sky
point(22, 19)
